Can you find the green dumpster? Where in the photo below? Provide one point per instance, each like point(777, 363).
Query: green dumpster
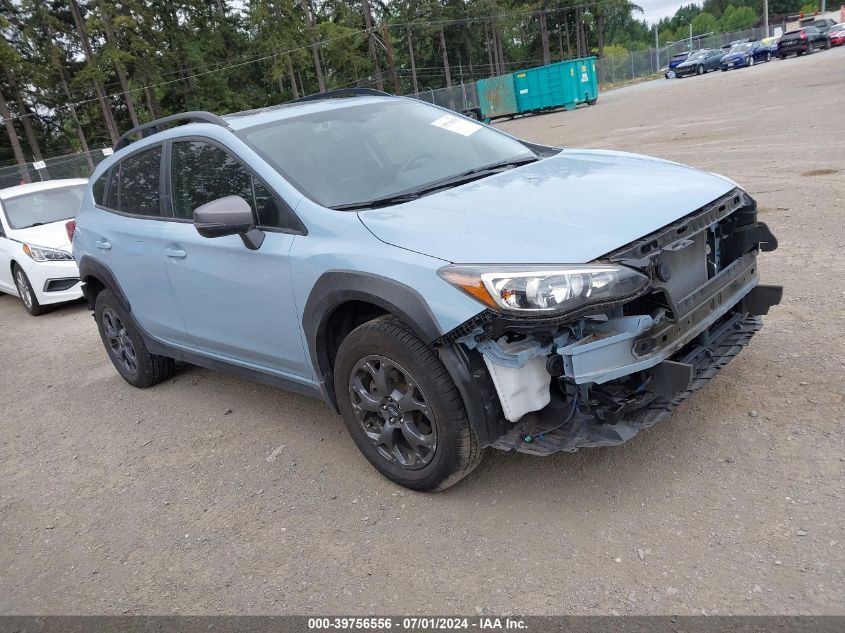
point(496, 97)
point(583, 72)
point(561, 85)
point(564, 84)
point(542, 88)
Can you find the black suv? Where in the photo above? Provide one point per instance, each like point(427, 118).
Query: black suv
point(800, 41)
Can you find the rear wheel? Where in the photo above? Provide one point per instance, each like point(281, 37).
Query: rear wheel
point(125, 345)
point(402, 408)
point(26, 293)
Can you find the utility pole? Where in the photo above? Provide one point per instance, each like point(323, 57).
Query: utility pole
point(690, 35)
point(657, 46)
point(766, 15)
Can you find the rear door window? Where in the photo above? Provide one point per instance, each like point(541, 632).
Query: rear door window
point(134, 188)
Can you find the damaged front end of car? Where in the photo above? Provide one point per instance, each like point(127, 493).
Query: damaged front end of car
point(567, 357)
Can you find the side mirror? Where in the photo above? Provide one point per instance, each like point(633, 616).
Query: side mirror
point(230, 215)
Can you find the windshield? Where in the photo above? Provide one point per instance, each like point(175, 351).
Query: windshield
point(43, 207)
point(697, 56)
point(741, 48)
point(680, 57)
point(348, 155)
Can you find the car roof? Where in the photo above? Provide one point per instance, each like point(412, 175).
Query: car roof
point(18, 190)
point(251, 118)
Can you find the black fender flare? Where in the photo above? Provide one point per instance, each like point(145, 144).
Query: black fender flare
point(466, 368)
point(90, 267)
point(336, 287)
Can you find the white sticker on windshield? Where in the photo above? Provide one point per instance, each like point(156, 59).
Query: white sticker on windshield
point(457, 125)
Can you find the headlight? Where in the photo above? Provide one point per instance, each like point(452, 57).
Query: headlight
point(42, 254)
point(546, 289)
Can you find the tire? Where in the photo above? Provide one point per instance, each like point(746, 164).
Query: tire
point(751, 61)
point(374, 367)
point(26, 293)
point(768, 57)
point(699, 70)
point(826, 45)
point(782, 57)
point(125, 346)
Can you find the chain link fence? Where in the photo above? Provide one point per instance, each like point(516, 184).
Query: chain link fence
point(79, 165)
point(609, 70)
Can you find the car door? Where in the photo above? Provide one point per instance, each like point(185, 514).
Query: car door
point(713, 58)
point(237, 303)
point(127, 239)
point(7, 247)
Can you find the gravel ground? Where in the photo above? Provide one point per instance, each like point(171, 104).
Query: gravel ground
point(212, 495)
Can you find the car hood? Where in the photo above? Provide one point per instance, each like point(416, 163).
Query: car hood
point(53, 235)
point(735, 57)
point(571, 208)
point(688, 64)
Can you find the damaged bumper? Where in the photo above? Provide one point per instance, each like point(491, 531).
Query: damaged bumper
point(689, 372)
point(598, 379)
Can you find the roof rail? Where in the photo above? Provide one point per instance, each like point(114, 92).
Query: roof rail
point(343, 92)
point(152, 127)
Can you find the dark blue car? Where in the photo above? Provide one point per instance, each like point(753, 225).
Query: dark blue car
point(674, 61)
point(745, 54)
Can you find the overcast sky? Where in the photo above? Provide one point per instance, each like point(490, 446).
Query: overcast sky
point(656, 9)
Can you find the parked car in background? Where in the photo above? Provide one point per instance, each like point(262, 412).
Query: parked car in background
point(733, 43)
point(770, 46)
point(800, 41)
point(836, 34)
point(699, 63)
point(443, 285)
point(744, 54)
point(35, 259)
point(822, 24)
point(673, 63)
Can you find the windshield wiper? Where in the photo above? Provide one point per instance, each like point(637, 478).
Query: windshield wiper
point(450, 181)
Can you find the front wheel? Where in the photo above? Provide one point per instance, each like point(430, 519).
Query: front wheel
point(402, 408)
point(26, 293)
point(125, 345)
point(750, 61)
point(700, 70)
point(768, 57)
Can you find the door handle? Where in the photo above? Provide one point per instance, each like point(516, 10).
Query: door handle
point(103, 245)
point(175, 253)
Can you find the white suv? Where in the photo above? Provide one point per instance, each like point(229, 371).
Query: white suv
point(35, 260)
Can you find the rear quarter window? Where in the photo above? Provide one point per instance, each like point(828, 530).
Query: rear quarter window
point(98, 189)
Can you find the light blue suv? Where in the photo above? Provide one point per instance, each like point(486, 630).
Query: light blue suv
point(442, 285)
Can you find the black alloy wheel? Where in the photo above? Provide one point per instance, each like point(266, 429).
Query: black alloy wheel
point(393, 411)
